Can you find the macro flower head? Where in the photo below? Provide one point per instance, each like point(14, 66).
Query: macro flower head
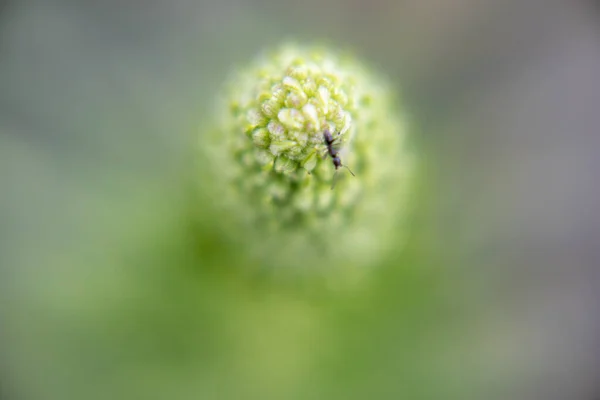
point(310, 153)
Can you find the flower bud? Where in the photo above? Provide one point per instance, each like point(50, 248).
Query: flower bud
point(276, 178)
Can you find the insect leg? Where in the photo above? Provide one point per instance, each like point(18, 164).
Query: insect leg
point(349, 170)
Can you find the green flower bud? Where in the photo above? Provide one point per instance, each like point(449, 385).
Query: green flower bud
point(276, 182)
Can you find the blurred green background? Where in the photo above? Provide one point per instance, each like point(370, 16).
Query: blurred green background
point(108, 290)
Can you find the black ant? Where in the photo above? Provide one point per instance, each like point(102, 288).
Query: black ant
point(333, 152)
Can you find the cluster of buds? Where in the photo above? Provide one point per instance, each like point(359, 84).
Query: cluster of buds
point(287, 123)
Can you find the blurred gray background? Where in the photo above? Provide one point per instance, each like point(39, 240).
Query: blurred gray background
point(504, 98)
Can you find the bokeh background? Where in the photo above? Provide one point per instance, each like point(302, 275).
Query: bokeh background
point(108, 291)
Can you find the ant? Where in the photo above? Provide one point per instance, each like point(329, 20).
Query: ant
point(333, 152)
